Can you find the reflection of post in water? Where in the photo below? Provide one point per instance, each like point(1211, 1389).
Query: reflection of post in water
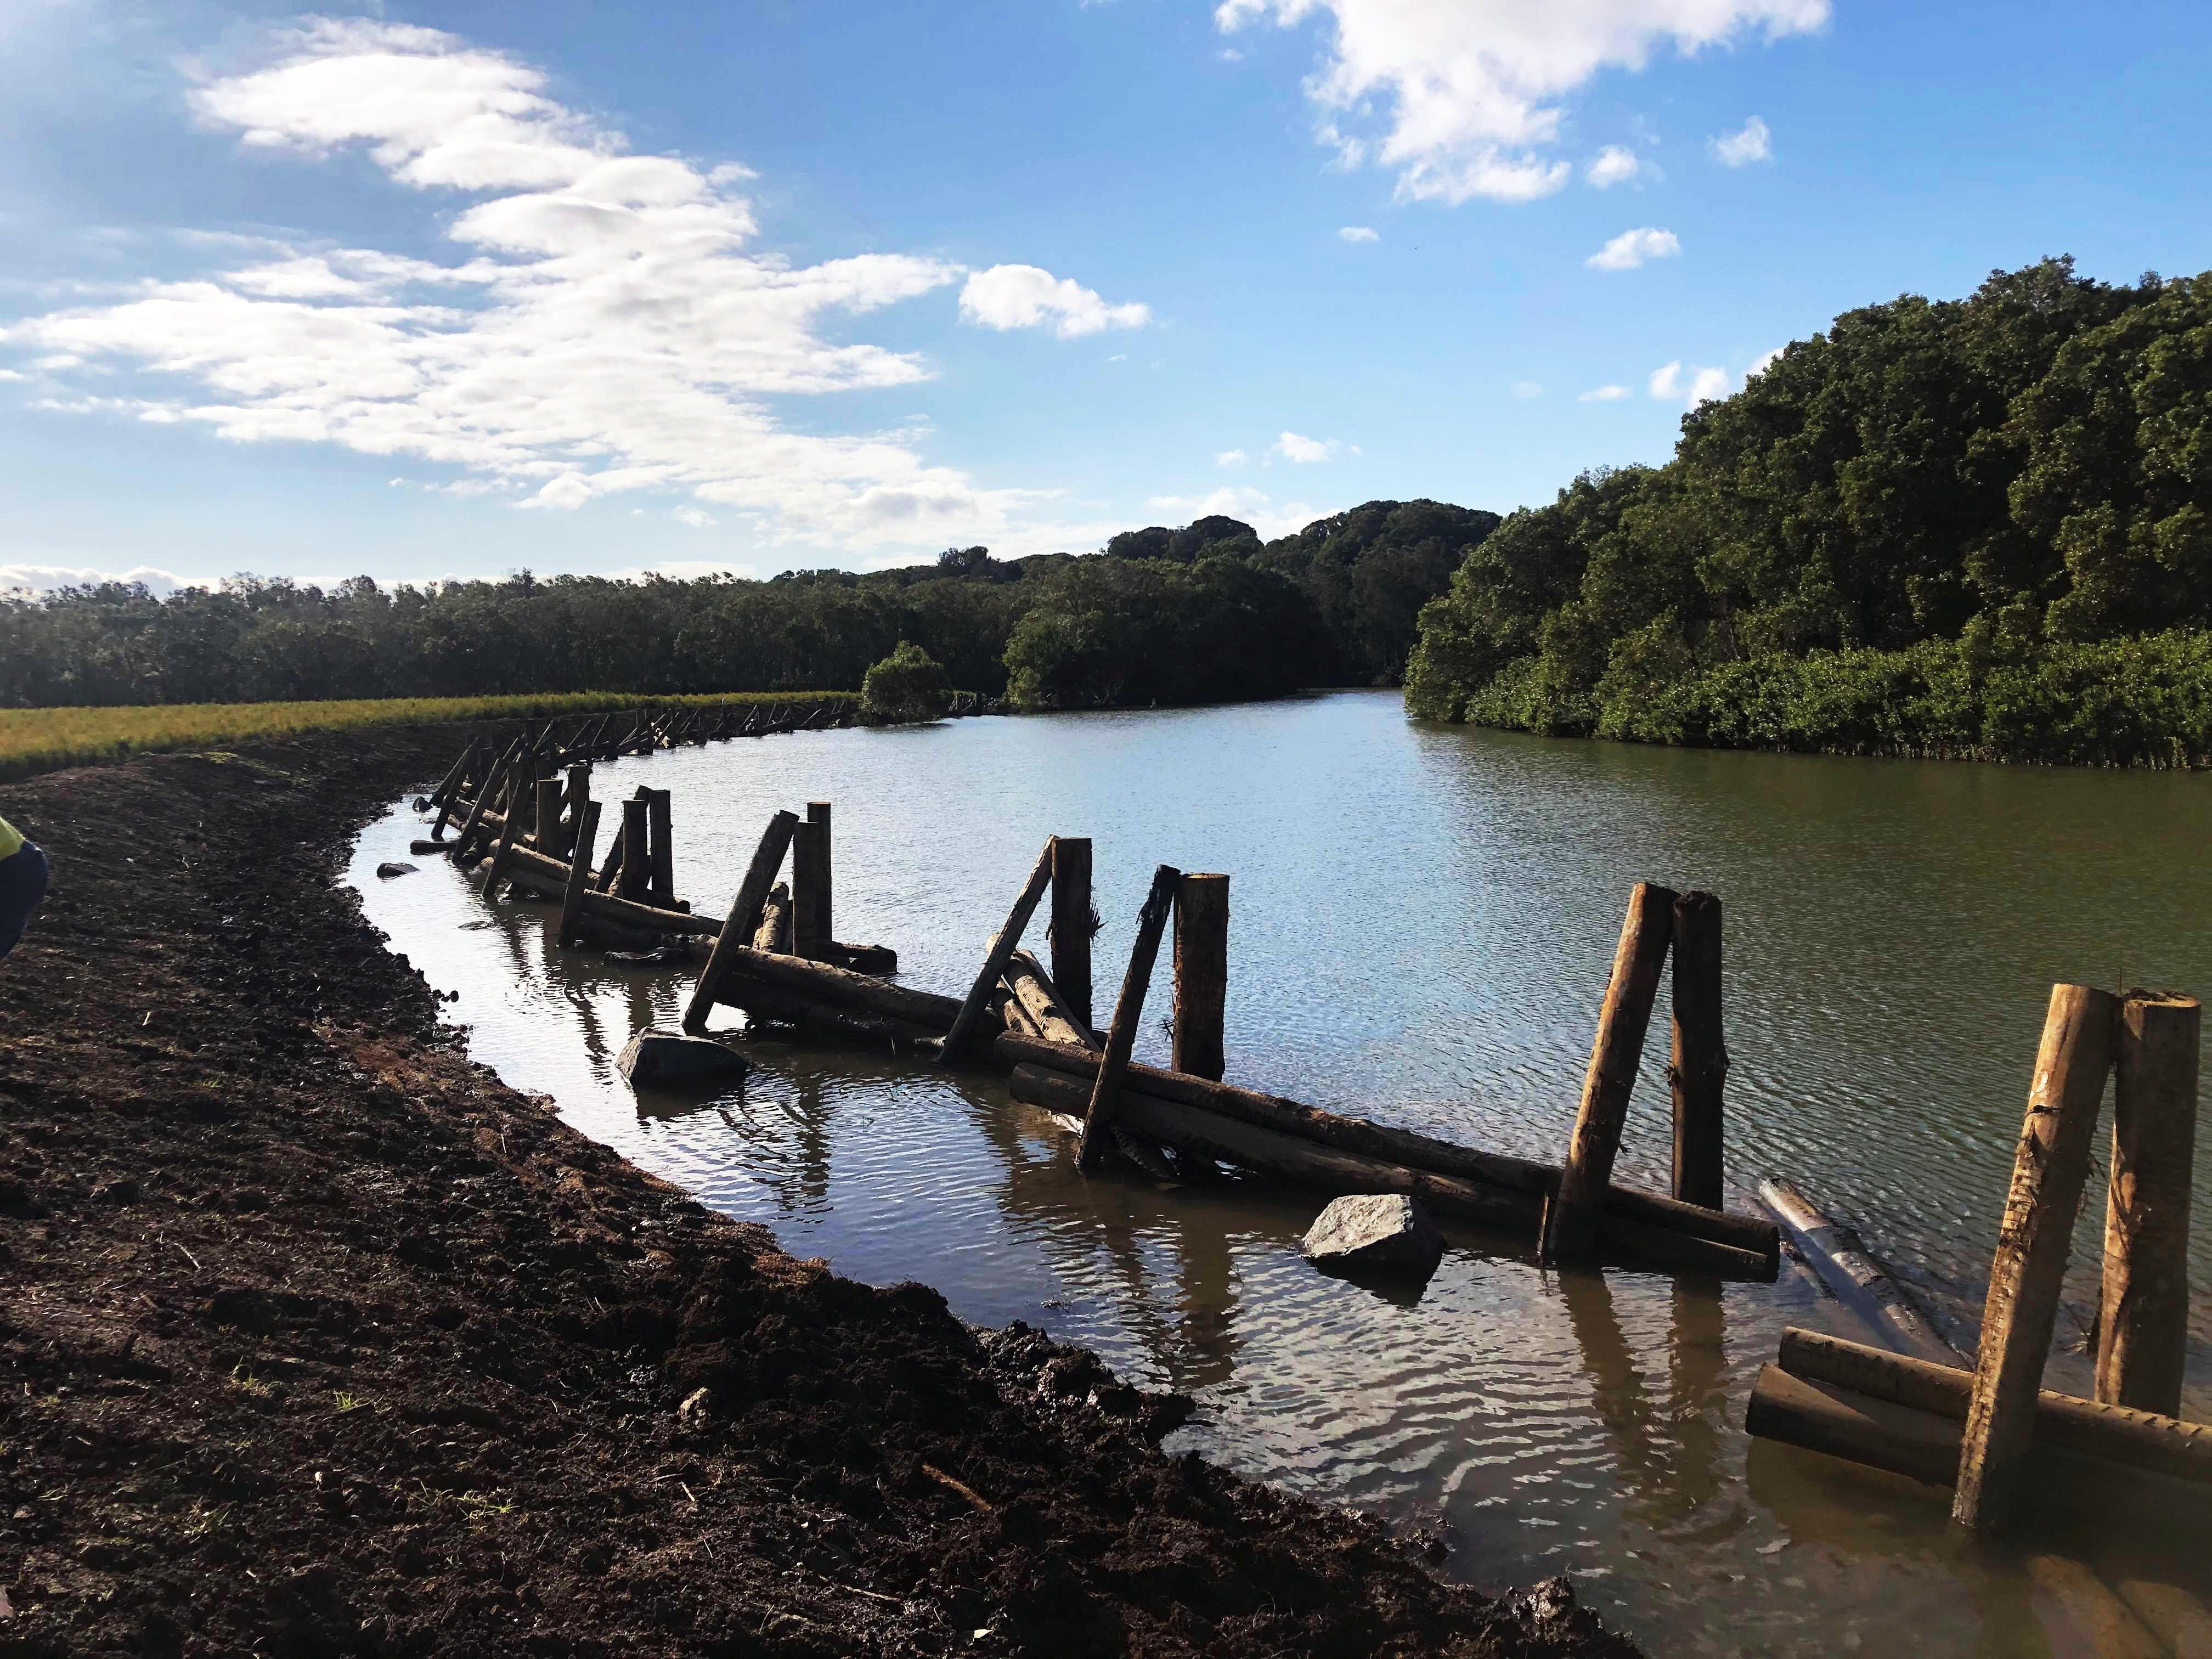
point(1624, 1410)
point(1206, 1299)
point(1697, 1395)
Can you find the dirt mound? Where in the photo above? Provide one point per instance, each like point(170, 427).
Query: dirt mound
point(315, 1339)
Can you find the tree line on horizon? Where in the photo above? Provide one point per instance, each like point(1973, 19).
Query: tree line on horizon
point(1974, 527)
point(1205, 612)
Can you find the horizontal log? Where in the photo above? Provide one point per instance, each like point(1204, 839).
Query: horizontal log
point(841, 988)
point(2141, 1440)
point(1919, 1445)
point(865, 958)
point(1332, 1170)
point(521, 862)
point(821, 1020)
point(1640, 1210)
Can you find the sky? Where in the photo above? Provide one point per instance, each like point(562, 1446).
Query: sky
point(426, 292)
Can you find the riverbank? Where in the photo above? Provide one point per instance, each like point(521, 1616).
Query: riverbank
point(317, 1338)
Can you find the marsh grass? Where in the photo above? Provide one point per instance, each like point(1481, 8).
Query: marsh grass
point(35, 740)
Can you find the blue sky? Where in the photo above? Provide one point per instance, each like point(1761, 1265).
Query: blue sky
point(434, 291)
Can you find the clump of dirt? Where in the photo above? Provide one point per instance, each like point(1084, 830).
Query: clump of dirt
point(315, 1339)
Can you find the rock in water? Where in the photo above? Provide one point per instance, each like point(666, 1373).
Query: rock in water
point(386, 872)
point(1375, 1230)
point(654, 1058)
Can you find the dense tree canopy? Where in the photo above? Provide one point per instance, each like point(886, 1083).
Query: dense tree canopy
point(2022, 471)
point(1201, 612)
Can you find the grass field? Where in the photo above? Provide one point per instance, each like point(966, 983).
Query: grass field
point(35, 740)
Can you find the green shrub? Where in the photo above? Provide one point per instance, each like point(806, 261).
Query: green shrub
point(906, 686)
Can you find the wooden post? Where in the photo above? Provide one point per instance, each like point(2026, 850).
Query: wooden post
point(1571, 1225)
point(507, 830)
point(1700, 1058)
point(745, 917)
point(2143, 1333)
point(1003, 943)
point(1201, 974)
point(817, 811)
point(637, 858)
point(449, 790)
point(1070, 923)
point(485, 791)
point(660, 826)
point(1128, 1009)
point(809, 843)
point(2047, 1175)
point(545, 817)
point(579, 872)
point(578, 796)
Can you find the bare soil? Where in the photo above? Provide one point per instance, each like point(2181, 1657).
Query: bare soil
point(316, 1339)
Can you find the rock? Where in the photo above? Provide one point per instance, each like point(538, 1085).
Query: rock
point(1375, 1230)
point(386, 872)
point(655, 1058)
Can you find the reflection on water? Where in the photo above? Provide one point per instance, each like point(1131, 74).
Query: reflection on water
point(1423, 918)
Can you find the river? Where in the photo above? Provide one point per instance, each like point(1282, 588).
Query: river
point(1422, 920)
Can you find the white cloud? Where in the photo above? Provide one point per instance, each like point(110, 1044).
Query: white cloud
point(1690, 384)
point(1231, 457)
point(1024, 296)
point(1632, 248)
point(1758, 364)
point(1304, 452)
point(1754, 143)
point(1252, 506)
point(604, 329)
point(1358, 234)
point(1613, 166)
point(44, 578)
point(1603, 394)
point(1465, 98)
point(694, 517)
point(1528, 389)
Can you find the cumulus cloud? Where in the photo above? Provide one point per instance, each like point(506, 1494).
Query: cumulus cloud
point(1231, 457)
point(45, 578)
point(1025, 296)
point(1467, 98)
point(1613, 166)
point(1632, 248)
point(1254, 507)
point(1740, 150)
point(1358, 234)
point(1304, 452)
point(1528, 389)
point(605, 327)
point(1603, 394)
point(1758, 364)
point(1688, 383)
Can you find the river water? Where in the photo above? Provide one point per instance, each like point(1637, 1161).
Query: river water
point(1423, 918)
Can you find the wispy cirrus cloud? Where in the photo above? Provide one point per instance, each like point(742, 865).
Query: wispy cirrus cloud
point(1469, 98)
point(607, 325)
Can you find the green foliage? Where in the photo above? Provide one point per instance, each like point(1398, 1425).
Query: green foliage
point(1356, 582)
point(907, 686)
point(1891, 539)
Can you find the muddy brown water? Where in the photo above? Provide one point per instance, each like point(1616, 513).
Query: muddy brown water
point(1422, 918)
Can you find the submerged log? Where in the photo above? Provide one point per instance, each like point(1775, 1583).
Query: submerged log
point(2048, 1173)
point(1529, 1180)
point(2142, 1440)
point(1859, 1282)
point(1571, 1222)
point(825, 1020)
point(865, 958)
point(841, 988)
point(1003, 945)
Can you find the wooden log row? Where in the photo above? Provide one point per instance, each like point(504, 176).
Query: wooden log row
point(549, 878)
point(1288, 1157)
point(1529, 1182)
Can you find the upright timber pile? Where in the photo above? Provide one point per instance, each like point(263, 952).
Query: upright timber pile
point(1994, 1433)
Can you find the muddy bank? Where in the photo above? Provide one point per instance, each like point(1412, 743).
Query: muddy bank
point(315, 1339)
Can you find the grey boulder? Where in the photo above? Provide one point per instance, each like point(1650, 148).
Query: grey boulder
point(390, 868)
point(1375, 1231)
point(654, 1058)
